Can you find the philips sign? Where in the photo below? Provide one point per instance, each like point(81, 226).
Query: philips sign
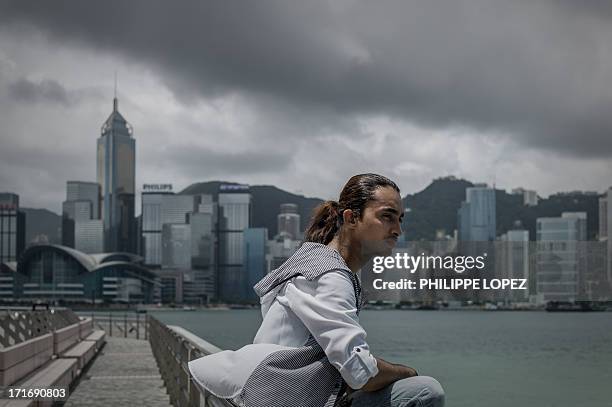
point(157, 188)
point(233, 188)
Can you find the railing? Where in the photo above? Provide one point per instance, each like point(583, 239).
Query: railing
point(122, 325)
point(17, 326)
point(173, 347)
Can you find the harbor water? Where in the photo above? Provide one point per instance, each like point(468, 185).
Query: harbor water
point(482, 359)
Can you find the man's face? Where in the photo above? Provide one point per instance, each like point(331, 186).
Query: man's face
point(380, 224)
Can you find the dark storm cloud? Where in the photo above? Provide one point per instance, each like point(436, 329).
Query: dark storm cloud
point(537, 70)
point(47, 90)
point(203, 163)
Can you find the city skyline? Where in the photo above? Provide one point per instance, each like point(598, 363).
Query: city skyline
point(532, 123)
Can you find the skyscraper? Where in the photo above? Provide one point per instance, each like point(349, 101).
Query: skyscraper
point(116, 174)
point(89, 236)
point(234, 218)
point(255, 240)
point(289, 221)
point(160, 206)
point(12, 228)
point(530, 198)
point(609, 233)
point(476, 220)
point(82, 205)
point(560, 256)
point(513, 263)
point(603, 218)
point(85, 191)
point(279, 249)
point(204, 249)
point(176, 246)
point(476, 224)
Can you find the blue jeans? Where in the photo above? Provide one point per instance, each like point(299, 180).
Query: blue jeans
point(418, 391)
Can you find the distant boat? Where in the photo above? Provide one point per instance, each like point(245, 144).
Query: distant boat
point(566, 306)
point(427, 307)
point(380, 305)
point(240, 306)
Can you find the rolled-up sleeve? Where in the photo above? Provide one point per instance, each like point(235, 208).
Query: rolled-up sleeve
point(327, 308)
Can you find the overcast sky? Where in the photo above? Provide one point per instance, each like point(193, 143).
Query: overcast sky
point(304, 94)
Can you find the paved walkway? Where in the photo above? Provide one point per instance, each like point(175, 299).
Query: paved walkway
point(123, 374)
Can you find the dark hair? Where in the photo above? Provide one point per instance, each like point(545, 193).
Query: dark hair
point(327, 217)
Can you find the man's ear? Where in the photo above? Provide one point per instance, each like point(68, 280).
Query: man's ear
point(349, 217)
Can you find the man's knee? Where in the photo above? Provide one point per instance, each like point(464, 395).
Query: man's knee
point(435, 390)
point(429, 391)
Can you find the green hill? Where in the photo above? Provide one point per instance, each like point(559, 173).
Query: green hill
point(41, 224)
point(429, 210)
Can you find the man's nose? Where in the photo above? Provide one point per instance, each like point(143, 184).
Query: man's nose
point(397, 229)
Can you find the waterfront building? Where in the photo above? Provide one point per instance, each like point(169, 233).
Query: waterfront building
point(255, 240)
point(234, 203)
point(172, 285)
point(609, 234)
point(161, 206)
point(12, 228)
point(204, 250)
point(116, 174)
point(54, 273)
point(82, 205)
point(179, 233)
point(530, 198)
point(289, 221)
point(89, 236)
point(603, 218)
point(176, 246)
point(85, 191)
point(514, 263)
point(280, 248)
point(477, 216)
point(476, 224)
point(560, 256)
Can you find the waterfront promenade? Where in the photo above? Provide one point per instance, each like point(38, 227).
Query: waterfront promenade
point(123, 374)
point(99, 360)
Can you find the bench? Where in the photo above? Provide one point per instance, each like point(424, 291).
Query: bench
point(83, 352)
point(58, 373)
point(85, 327)
point(99, 337)
point(64, 338)
point(21, 359)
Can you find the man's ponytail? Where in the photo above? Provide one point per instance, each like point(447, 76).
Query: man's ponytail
point(324, 223)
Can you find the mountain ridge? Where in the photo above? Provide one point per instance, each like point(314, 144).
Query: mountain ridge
point(429, 210)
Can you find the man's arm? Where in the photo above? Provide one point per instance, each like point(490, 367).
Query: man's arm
point(387, 374)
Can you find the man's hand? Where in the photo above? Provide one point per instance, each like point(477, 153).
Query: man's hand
point(405, 371)
point(387, 374)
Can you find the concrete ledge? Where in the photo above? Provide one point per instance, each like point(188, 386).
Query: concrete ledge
point(83, 352)
point(19, 360)
point(16, 403)
point(86, 326)
point(64, 338)
point(99, 337)
point(58, 373)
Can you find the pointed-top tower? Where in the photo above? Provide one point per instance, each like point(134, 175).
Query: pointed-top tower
point(116, 123)
point(116, 159)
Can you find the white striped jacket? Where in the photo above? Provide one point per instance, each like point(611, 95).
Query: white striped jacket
point(310, 344)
